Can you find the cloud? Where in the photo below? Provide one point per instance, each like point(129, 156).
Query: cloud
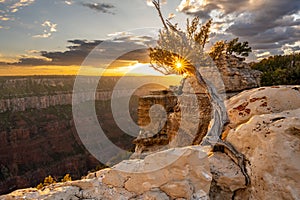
point(292, 48)
point(49, 29)
point(75, 55)
point(19, 4)
point(4, 18)
point(50, 25)
point(69, 2)
point(79, 50)
point(100, 7)
point(267, 24)
point(9, 8)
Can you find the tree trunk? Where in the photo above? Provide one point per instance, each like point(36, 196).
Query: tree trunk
point(219, 112)
point(217, 123)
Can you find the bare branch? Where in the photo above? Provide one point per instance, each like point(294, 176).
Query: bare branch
point(157, 6)
point(172, 26)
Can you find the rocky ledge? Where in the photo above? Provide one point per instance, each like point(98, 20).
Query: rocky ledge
point(237, 75)
point(264, 126)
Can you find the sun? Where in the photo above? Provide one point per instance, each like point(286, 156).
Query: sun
point(178, 65)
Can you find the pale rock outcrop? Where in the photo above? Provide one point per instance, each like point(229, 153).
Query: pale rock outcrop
point(64, 192)
point(174, 173)
point(266, 129)
point(271, 145)
point(178, 189)
point(226, 173)
point(166, 169)
point(237, 75)
point(74, 190)
point(262, 101)
point(153, 195)
point(187, 116)
point(227, 177)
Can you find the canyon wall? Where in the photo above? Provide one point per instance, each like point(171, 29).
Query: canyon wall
point(46, 101)
point(37, 133)
point(41, 142)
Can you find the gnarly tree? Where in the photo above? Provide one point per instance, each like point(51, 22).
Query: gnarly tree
point(234, 46)
point(229, 48)
point(181, 52)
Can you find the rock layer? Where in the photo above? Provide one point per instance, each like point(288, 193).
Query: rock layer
point(46, 101)
point(186, 119)
point(237, 75)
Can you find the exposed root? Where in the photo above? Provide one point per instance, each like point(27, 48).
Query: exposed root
point(236, 156)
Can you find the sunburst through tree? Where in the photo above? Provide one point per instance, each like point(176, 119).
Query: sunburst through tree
point(181, 52)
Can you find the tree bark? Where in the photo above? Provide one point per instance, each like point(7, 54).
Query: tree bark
point(217, 123)
point(219, 112)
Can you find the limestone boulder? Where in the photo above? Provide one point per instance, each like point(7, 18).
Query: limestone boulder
point(227, 177)
point(271, 145)
point(74, 190)
point(166, 170)
point(262, 100)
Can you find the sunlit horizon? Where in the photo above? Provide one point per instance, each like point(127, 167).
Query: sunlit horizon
point(138, 69)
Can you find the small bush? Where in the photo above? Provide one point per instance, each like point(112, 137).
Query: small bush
point(49, 180)
point(66, 178)
point(39, 186)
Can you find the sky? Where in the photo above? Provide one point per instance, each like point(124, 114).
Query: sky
point(56, 37)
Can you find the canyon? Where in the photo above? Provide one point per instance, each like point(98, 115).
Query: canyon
point(264, 127)
point(39, 138)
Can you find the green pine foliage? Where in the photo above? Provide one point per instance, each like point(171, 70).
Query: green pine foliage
point(279, 70)
point(239, 48)
point(233, 47)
